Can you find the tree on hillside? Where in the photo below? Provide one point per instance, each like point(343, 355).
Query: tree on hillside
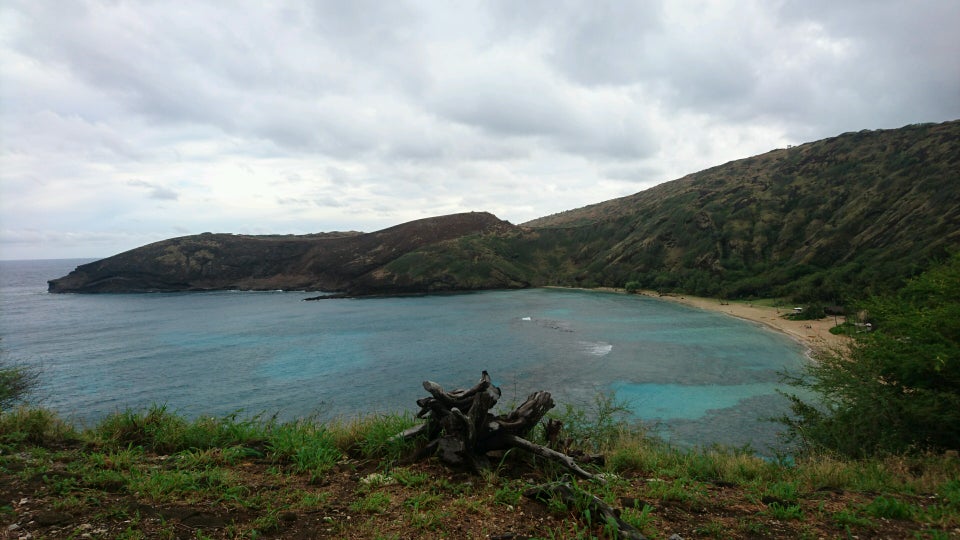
point(897, 389)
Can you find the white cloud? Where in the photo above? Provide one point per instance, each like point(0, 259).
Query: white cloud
point(122, 123)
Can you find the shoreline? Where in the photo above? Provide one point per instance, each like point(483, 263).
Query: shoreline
point(814, 335)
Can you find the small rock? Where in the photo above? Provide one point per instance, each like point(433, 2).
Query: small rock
point(675, 536)
point(85, 527)
point(13, 527)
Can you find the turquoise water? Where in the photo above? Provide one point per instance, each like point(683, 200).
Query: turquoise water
point(702, 377)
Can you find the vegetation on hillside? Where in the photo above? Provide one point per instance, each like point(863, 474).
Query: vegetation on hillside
point(829, 221)
point(897, 388)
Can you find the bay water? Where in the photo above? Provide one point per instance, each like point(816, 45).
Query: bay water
point(698, 377)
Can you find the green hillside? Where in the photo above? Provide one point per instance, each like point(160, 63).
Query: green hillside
point(826, 220)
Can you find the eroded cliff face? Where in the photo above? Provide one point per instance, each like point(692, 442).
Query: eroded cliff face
point(327, 262)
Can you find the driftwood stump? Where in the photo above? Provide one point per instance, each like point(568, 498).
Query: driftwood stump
point(462, 430)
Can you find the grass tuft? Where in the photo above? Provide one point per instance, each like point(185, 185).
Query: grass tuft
point(373, 436)
point(31, 426)
point(307, 447)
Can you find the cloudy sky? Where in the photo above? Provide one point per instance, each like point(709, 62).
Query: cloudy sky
point(126, 122)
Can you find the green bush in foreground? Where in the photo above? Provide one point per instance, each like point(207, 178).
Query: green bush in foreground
point(898, 387)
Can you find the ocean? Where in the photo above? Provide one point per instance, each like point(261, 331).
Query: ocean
point(696, 377)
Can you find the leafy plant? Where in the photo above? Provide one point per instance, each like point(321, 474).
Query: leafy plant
point(898, 386)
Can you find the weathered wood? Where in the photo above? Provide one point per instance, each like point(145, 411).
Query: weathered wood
point(528, 414)
point(553, 455)
point(581, 500)
point(457, 398)
point(462, 430)
point(552, 430)
point(411, 432)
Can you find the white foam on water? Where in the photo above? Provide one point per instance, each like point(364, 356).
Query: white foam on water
point(599, 348)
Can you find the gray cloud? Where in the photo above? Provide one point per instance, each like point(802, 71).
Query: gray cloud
point(305, 116)
point(155, 191)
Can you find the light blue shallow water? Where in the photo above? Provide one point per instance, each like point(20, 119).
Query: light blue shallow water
point(704, 377)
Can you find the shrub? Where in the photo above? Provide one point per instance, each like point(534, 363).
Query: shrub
point(598, 427)
point(897, 389)
point(17, 382)
point(809, 313)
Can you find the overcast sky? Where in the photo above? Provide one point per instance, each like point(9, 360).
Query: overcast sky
point(124, 122)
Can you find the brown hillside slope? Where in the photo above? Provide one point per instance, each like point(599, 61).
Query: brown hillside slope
point(329, 262)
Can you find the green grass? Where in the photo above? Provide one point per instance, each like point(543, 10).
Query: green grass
point(306, 447)
point(372, 436)
point(159, 458)
point(785, 512)
point(372, 503)
point(33, 426)
point(509, 495)
point(889, 508)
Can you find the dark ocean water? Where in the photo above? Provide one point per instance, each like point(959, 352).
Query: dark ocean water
point(703, 377)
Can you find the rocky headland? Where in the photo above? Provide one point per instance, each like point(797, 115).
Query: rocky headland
point(348, 262)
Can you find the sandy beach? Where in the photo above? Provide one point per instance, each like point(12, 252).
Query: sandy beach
point(814, 334)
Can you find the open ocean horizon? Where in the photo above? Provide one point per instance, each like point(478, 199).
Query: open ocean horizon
point(699, 377)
